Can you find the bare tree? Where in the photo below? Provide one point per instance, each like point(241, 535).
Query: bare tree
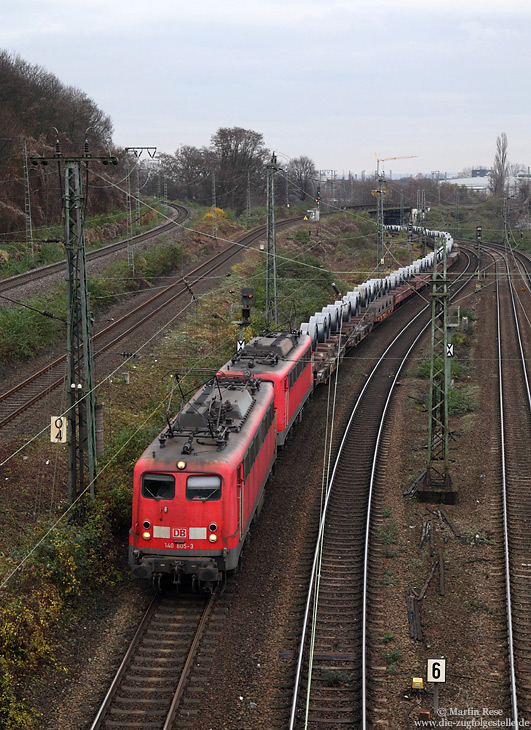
point(241, 157)
point(302, 173)
point(500, 169)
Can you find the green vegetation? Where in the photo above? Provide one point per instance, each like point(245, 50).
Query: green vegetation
point(389, 532)
point(23, 331)
point(478, 538)
point(464, 399)
point(424, 367)
point(481, 606)
point(337, 677)
point(48, 247)
point(488, 214)
point(393, 660)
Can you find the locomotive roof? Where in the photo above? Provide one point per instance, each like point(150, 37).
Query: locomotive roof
point(214, 419)
point(215, 404)
point(268, 349)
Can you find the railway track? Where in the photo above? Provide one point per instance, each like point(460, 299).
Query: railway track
point(330, 684)
point(149, 685)
point(17, 400)
point(513, 305)
point(182, 215)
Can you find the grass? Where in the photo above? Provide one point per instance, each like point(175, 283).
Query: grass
point(15, 257)
point(487, 213)
point(24, 331)
point(389, 533)
point(337, 678)
point(393, 660)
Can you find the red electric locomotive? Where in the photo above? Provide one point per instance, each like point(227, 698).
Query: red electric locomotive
point(197, 487)
point(284, 359)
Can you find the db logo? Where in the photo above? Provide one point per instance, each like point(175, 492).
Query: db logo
point(179, 532)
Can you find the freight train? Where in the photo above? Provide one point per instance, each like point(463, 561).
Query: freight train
point(200, 484)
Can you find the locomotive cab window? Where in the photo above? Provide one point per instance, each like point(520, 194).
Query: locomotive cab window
point(158, 486)
point(203, 487)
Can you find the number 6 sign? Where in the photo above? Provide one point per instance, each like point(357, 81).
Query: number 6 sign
point(436, 670)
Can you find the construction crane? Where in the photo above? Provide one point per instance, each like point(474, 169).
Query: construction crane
point(385, 159)
point(380, 235)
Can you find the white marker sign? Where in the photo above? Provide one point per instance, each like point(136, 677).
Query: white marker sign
point(436, 670)
point(58, 430)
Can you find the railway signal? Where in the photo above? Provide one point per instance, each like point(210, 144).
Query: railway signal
point(247, 303)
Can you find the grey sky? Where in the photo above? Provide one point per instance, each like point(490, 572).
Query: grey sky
point(337, 80)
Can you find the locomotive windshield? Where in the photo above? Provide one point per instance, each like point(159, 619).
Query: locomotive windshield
point(158, 486)
point(203, 487)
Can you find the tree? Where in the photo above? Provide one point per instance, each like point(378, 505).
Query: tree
point(32, 102)
point(241, 158)
point(500, 169)
point(302, 173)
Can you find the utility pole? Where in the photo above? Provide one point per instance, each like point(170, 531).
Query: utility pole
point(137, 210)
point(479, 233)
point(81, 398)
point(271, 251)
point(380, 238)
point(129, 216)
point(438, 178)
point(27, 205)
point(505, 222)
point(248, 207)
point(437, 484)
point(214, 211)
point(137, 152)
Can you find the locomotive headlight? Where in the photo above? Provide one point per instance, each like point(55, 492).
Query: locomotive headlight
point(181, 465)
point(212, 538)
point(146, 535)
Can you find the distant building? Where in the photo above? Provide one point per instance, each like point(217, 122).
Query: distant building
point(481, 172)
point(478, 184)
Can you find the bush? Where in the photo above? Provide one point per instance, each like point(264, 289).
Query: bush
point(23, 332)
point(14, 713)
